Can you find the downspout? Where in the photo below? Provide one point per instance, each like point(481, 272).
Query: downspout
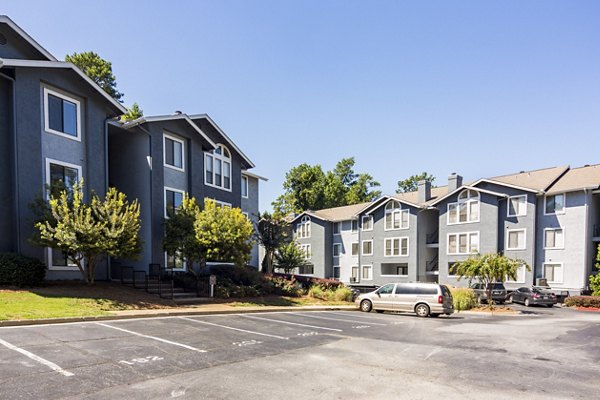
point(586, 250)
point(16, 155)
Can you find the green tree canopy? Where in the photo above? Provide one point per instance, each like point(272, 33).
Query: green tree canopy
point(134, 112)
point(87, 232)
point(180, 235)
point(289, 257)
point(98, 69)
point(272, 233)
point(410, 184)
point(308, 187)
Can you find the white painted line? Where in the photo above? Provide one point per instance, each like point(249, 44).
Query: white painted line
point(293, 323)
point(340, 319)
point(370, 318)
point(234, 329)
point(39, 359)
point(185, 346)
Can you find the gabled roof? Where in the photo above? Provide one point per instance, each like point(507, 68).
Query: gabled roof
point(178, 116)
point(413, 197)
point(467, 187)
point(587, 177)
point(227, 139)
point(252, 175)
point(11, 62)
point(336, 214)
point(6, 20)
point(533, 181)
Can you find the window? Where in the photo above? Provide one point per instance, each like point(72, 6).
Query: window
point(62, 115)
point(386, 289)
point(515, 239)
point(520, 276)
point(463, 243)
point(396, 247)
point(173, 200)
point(367, 223)
point(303, 228)
point(553, 272)
point(175, 261)
point(354, 226)
point(337, 249)
point(367, 272)
point(554, 204)
point(173, 152)
point(336, 272)
point(517, 206)
point(354, 275)
point(367, 247)
point(554, 238)
point(60, 176)
point(395, 218)
point(306, 250)
point(355, 248)
point(337, 228)
point(217, 166)
point(465, 210)
point(244, 186)
point(394, 269)
point(246, 214)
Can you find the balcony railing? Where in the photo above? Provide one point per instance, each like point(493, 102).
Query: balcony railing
point(432, 238)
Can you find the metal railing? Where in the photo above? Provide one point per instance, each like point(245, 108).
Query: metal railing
point(432, 265)
point(432, 238)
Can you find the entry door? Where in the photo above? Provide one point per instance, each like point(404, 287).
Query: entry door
point(384, 299)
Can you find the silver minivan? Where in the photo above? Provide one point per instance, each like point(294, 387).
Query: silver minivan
point(424, 299)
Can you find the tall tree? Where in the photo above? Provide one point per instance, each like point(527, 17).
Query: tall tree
point(410, 184)
point(98, 69)
point(273, 233)
point(308, 187)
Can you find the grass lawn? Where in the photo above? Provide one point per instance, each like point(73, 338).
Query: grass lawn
point(284, 301)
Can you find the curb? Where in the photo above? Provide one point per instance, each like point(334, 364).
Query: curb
point(175, 313)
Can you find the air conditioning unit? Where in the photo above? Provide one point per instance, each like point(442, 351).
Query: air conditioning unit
point(352, 279)
point(542, 282)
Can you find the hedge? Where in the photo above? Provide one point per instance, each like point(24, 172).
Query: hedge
point(583, 301)
point(18, 270)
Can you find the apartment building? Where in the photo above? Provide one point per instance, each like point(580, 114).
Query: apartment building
point(549, 218)
point(57, 125)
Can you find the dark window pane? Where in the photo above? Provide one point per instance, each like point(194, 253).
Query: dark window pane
point(218, 180)
point(177, 199)
point(69, 118)
point(58, 258)
point(226, 175)
point(209, 169)
point(169, 158)
point(55, 113)
point(177, 154)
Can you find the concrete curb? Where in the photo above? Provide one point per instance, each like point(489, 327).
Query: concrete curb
point(170, 313)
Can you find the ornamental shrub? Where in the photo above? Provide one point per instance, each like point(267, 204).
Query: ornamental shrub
point(463, 298)
point(21, 271)
point(583, 301)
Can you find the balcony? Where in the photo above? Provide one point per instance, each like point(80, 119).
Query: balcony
point(432, 267)
point(432, 239)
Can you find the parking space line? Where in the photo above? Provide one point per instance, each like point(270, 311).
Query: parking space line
point(340, 319)
point(377, 317)
point(185, 346)
point(39, 359)
point(292, 323)
point(234, 329)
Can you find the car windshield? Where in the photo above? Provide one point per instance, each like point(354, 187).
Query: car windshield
point(498, 286)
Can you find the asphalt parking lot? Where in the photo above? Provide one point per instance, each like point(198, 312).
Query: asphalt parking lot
point(547, 353)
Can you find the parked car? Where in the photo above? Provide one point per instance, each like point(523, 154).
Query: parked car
point(532, 296)
point(498, 292)
point(424, 299)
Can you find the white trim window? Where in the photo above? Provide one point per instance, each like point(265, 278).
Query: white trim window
point(303, 228)
point(175, 261)
point(355, 248)
point(217, 167)
point(367, 222)
point(465, 210)
point(60, 176)
point(517, 206)
point(554, 204)
point(337, 250)
point(173, 200)
point(337, 228)
point(520, 276)
point(367, 273)
point(246, 214)
point(516, 239)
point(554, 238)
point(367, 247)
point(305, 248)
point(244, 186)
point(62, 115)
point(395, 217)
point(394, 247)
point(354, 272)
point(354, 225)
point(463, 243)
point(173, 152)
point(553, 272)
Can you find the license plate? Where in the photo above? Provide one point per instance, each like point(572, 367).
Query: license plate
point(545, 297)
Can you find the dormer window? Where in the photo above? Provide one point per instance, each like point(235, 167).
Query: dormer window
point(466, 209)
point(395, 217)
point(217, 167)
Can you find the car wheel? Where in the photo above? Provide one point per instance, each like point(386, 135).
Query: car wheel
point(422, 310)
point(366, 306)
point(527, 303)
point(510, 299)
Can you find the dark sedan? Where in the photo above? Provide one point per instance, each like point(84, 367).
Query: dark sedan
point(532, 296)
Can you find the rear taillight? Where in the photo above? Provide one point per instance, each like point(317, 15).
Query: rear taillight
point(440, 299)
point(535, 295)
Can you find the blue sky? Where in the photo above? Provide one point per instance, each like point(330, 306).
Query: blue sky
point(478, 88)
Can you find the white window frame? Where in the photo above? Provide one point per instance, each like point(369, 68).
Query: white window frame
point(564, 195)
point(183, 269)
point(509, 231)
point(522, 281)
point(165, 197)
point(305, 221)
point(337, 225)
point(468, 202)
point(391, 213)
point(361, 271)
point(357, 247)
point(68, 267)
point(306, 249)
point(352, 268)
point(457, 234)
point(362, 222)
point(77, 103)
point(246, 214)
point(508, 214)
point(244, 184)
point(338, 245)
point(396, 275)
point(223, 160)
point(362, 248)
point(400, 239)
point(175, 139)
point(562, 271)
point(556, 247)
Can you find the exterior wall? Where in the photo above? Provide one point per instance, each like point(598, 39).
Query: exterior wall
point(346, 260)
point(427, 224)
point(250, 205)
point(16, 47)
point(7, 185)
point(320, 245)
